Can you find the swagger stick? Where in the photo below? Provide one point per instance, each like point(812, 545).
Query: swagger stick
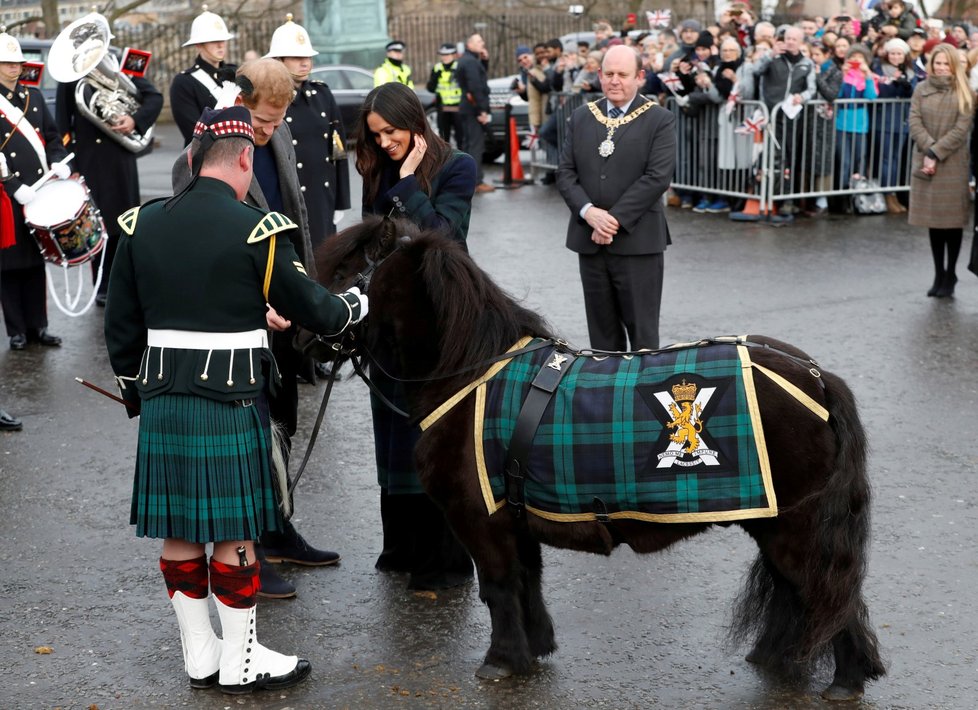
point(101, 391)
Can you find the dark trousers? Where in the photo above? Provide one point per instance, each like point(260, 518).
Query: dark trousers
point(23, 297)
point(473, 140)
point(622, 295)
point(448, 123)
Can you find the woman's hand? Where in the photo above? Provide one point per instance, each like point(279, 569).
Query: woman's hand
point(413, 159)
point(930, 166)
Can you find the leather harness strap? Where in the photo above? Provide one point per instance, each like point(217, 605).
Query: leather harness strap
point(538, 397)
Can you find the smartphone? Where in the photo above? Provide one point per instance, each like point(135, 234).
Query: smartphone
point(854, 64)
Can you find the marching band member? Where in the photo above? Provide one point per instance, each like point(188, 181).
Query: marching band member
point(186, 334)
point(197, 87)
point(29, 145)
point(109, 168)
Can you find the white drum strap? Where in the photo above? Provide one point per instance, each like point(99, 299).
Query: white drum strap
point(18, 120)
point(208, 82)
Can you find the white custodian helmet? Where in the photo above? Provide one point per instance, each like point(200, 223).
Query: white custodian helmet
point(208, 27)
point(291, 40)
point(10, 48)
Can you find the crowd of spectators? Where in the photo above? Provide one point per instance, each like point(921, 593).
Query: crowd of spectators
point(833, 69)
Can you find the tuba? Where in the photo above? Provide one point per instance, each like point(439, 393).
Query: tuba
point(81, 52)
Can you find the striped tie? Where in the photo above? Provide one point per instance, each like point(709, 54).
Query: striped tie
point(615, 112)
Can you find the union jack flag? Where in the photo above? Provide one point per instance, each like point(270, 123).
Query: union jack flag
point(671, 80)
point(658, 18)
point(753, 125)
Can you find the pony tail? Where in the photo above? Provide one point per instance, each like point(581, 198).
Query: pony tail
point(835, 581)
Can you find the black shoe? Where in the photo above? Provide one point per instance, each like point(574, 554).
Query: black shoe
point(298, 674)
point(273, 586)
point(43, 337)
point(548, 179)
point(18, 342)
point(290, 546)
point(946, 289)
point(9, 423)
point(938, 281)
point(100, 300)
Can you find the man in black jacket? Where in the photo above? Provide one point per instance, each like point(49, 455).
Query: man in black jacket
point(474, 113)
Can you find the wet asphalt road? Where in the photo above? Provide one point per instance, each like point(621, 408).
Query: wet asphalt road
point(634, 632)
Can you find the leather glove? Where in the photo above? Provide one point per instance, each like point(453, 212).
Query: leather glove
point(358, 304)
point(25, 194)
point(61, 170)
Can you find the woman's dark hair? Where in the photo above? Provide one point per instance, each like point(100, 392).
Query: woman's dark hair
point(401, 108)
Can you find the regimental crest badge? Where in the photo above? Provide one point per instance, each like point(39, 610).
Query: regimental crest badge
point(683, 406)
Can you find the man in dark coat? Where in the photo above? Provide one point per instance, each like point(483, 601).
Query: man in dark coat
point(318, 135)
point(617, 162)
point(109, 167)
point(475, 112)
point(198, 86)
point(275, 186)
point(29, 145)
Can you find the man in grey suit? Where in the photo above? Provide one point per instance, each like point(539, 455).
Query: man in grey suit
point(617, 162)
point(266, 91)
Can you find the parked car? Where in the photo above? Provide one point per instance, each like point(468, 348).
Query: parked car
point(36, 50)
point(501, 94)
point(350, 85)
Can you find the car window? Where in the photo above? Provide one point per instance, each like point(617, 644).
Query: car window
point(360, 80)
point(40, 55)
point(334, 78)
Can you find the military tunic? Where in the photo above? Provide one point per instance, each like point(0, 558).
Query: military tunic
point(313, 118)
point(189, 97)
point(202, 464)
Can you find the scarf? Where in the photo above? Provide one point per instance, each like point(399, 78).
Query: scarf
point(723, 84)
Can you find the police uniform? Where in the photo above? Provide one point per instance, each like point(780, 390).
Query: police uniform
point(194, 89)
point(29, 149)
point(393, 69)
point(448, 95)
point(317, 130)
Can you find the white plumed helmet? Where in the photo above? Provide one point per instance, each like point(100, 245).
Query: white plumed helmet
point(291, 40)
point(208, 27)
point(10, 48)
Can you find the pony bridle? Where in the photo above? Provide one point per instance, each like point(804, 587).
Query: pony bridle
point(362, 279)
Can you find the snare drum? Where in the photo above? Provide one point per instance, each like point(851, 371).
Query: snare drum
point(65, 222)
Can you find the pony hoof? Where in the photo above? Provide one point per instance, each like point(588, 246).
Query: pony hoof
point(839, 693)
point(489, 671)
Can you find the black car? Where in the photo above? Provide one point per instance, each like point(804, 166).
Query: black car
point(350, 85)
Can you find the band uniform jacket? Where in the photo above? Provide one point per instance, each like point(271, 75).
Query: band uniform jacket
point(189, 98)
point(629, 183)
point(201, 266)
point(313, 117)
point(109, 169)
point(26, 169)
point(294, 207)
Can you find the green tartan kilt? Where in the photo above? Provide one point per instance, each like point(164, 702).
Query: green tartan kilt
point(203, 471)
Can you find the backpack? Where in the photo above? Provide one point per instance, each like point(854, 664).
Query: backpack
point(867, 202)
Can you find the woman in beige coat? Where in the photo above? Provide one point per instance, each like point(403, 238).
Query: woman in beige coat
point(940, 123)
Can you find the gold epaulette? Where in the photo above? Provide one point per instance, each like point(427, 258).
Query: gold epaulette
point(127, 220)
point(271, 223)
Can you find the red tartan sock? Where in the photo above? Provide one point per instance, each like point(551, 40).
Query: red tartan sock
point(187, 576)
point(236, 587)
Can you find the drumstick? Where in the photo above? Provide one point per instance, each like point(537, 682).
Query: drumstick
point(47, 176)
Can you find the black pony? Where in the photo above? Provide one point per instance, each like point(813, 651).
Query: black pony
point(436, 319)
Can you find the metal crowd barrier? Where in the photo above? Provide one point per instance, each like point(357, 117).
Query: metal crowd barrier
point(745, 151)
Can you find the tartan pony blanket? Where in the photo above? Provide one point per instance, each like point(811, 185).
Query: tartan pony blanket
point(670, 436)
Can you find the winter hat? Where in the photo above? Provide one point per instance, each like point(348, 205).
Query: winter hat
point(705, 39)
point(930, 44)
point(522, 49)
point(690, 25)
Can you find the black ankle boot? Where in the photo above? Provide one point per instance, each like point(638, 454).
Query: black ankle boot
point(938, 282)
point(946, 289)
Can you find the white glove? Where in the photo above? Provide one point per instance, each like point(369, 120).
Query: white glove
point(25, 194)
point(357, 297)
point(61, 170)
point(338, 216)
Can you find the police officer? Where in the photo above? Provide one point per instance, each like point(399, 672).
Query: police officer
point(29, 145)
point(197, 87)
point(186, 336)
point(447, 93)
point(317, 134)
point(393, 67)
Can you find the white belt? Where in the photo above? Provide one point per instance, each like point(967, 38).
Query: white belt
point(200, 340)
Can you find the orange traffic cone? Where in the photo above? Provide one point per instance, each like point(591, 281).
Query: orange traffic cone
point(514, 152)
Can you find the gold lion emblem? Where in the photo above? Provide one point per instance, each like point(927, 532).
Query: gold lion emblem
point(684, 421)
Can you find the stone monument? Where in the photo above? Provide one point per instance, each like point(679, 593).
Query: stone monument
point(347, 31)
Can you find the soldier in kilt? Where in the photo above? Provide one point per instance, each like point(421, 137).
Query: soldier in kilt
point(186, 335)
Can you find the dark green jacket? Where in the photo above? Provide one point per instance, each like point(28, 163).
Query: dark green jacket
point(201, 267)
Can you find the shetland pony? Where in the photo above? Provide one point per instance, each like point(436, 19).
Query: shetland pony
point(436, 319)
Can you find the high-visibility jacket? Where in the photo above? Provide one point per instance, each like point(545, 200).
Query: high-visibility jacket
point(388, 71)
point(447, 89)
